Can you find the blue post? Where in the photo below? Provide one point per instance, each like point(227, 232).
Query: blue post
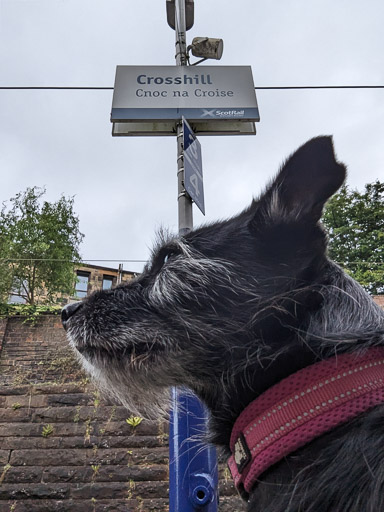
point(193, 475)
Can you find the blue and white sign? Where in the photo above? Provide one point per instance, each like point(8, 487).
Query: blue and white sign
point(193, 167)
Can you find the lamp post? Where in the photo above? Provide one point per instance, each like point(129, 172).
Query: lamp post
point(184, 201)
point(193, 474)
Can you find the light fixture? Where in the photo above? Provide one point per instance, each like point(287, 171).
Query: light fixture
point(207, 48)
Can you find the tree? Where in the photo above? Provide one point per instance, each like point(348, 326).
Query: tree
point(5, 274)
point(355, 224)
point(39, 244)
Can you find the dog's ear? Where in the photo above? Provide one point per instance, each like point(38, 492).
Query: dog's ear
point(305, 182)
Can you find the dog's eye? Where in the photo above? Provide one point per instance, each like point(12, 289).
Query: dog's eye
point(163, 257)
point(168, 256)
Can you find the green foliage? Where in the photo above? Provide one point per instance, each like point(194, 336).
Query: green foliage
point(95, 468)
point(355, 224)
point(31, 313)
point(6, 468)
point(39, 241)
point(88, 431)
point(134, 421)
point(47, 430)
point(96, 401)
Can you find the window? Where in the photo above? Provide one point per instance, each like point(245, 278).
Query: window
point(107, 282)
point(81, 288)
point(14, 298)
point(18, 292)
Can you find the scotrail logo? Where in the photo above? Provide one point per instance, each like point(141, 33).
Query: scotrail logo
point(214, 113)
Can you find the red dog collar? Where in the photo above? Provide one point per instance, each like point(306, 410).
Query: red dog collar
point(302, 407)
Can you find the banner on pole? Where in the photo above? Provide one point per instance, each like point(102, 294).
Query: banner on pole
point(193, 167)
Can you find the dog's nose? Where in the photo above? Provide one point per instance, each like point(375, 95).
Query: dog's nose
point(68, 311)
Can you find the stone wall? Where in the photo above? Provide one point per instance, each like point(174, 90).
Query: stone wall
point(63, 447)
point(379, 299)
point(34, 354)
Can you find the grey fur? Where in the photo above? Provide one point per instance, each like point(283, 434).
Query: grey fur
point(231, 309)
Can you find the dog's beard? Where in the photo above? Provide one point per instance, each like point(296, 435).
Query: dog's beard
point(139, 388)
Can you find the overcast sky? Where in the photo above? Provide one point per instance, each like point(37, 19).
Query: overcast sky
point(125, 188)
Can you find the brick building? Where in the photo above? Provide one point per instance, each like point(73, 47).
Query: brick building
point(87, 278)
point(93, 277)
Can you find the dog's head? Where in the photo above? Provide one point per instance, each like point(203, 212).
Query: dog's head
point(213, 309)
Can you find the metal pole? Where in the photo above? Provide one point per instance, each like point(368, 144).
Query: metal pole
point(193, 476)
point(184, 201)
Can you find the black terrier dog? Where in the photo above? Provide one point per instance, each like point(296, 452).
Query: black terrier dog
point(284, 349)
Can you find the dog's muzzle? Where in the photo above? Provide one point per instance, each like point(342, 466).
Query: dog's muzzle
point(68, 311)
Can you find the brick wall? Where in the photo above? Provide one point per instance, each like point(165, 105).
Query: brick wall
point(3, 326)
point(63, 447)
point(36, 353)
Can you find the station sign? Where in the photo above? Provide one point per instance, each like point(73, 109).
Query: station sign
point(164, 94)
